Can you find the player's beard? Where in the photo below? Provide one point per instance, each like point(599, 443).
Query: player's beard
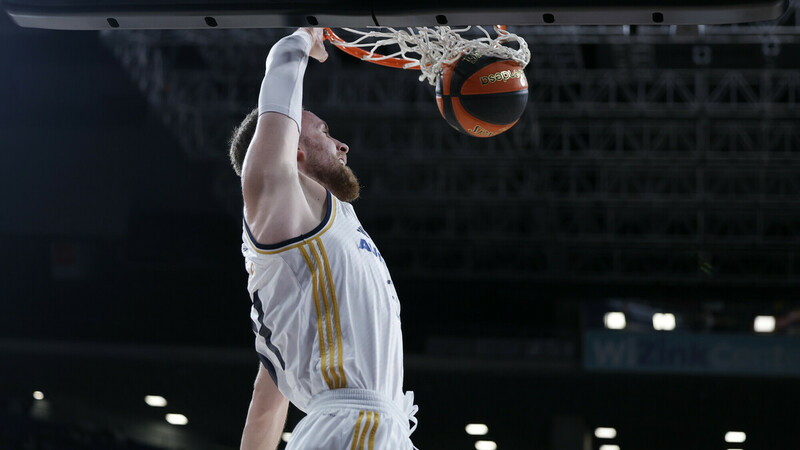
point(338, 179)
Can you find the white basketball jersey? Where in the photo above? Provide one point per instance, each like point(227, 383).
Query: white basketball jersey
point(325, 311)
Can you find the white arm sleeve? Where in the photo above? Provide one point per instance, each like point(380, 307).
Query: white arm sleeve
point(282, 88)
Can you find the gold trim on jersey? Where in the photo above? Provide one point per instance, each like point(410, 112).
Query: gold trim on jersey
point(337, 322)
point(321, 281)
point(329, 327)
point(355, 430)
point(363, 435)
point(374, 429)
point(322, 341)
point(359, 439)
point(302, 242)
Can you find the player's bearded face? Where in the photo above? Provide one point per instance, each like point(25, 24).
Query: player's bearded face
point(322, 164)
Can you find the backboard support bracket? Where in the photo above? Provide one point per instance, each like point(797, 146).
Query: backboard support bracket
point(141, 14)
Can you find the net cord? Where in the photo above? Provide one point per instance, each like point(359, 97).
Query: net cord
point(436, 46)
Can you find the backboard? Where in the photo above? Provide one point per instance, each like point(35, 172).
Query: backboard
point(181, 14)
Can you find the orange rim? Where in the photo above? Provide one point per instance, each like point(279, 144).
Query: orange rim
point(360, 53)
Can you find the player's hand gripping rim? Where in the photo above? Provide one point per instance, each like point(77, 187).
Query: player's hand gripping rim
point(318, 51)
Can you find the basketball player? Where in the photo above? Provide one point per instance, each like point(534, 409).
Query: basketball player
point(324, 310)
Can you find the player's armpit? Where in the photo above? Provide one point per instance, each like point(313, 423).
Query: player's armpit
point(276, 204)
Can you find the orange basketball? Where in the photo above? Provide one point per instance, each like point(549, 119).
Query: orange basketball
point(482, 96)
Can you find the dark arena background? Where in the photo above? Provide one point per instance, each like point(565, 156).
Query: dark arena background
point(620, 270)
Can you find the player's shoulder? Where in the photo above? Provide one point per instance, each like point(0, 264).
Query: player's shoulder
point(289, 211)
point(331, 208)
point(345, 208)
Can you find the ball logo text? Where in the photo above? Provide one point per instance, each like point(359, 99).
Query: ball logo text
point(503, 76)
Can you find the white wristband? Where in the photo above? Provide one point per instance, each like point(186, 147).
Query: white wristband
point(282, 87)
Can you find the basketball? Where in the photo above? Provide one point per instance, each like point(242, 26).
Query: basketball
point(482, 96)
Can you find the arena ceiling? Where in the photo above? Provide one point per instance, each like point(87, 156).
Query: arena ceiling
point(644, 154)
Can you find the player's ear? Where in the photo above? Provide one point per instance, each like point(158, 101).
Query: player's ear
point(301, 155)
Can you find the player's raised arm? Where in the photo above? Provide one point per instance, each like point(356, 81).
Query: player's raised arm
point(275, 204)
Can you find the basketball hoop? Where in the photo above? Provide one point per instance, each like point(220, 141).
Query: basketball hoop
point(428, 48)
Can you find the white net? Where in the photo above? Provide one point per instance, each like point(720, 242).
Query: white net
point(436, 46)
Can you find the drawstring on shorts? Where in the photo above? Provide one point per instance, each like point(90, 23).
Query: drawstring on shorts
point(370, 400)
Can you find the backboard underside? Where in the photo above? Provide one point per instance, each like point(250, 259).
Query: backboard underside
point(184, 14)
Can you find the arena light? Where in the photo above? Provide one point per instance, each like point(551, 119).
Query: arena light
point(764, 324)
point(614, 320)
point(735, 437)
point(486, 445)
point(664, 321)
point(605, 433)
point(476, 429)
point(155, 401)
point(177, 419)
point(285, 436)
point(609, 447)
point(38, 395)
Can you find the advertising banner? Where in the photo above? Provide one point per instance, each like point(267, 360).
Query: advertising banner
point(672, 352)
